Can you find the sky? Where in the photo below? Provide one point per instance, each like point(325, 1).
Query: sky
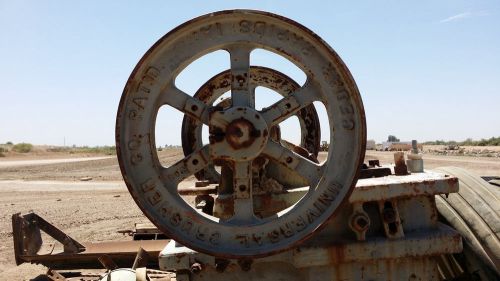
point(426, 70)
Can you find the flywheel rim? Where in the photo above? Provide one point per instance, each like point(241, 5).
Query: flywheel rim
point(150, 184)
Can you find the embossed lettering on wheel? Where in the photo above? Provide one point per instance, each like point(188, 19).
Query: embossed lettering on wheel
point(240, 133)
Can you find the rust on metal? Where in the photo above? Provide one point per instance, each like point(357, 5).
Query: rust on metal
point(259, 76)
point(374, 163)
point(391, 219)
point(141, 258)
point(54, 275)
point(30, 248)
point(196, 268)
point(107, 262)
point(384, 188)
point(212, 189)
point(216, 134)
point(154, 188)
point(241, 133)
point(300, 151)
point(203, 183)
point(375, 172)
point(400, 168)
point(30, 227)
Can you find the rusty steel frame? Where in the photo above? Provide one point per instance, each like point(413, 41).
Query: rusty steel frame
point(241, 137)
point(333, 248)
point(30, 248)
point(367, 240)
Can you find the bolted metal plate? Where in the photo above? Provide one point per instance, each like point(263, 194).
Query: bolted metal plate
point(151, 85)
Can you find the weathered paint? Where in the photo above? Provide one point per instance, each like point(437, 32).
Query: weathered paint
point(150, 86)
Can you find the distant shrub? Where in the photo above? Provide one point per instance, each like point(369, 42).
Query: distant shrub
point(3, 149)
point(107, 150)
point(493, 141)
point(58, 149)
point(22, 147)
point(9, 143)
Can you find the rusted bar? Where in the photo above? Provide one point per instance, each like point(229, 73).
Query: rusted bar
point(29, 247)
point(70, 244)
point(107, 262)
point(55, 276)
point(122, 253)
point(400, 168)
point(198, 190)
point(31, 224)
point(141, 259)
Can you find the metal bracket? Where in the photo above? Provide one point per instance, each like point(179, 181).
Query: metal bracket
point(31, 224)
point(390, 218)
point(55, 276)
point(29, 247)
point(359, 221)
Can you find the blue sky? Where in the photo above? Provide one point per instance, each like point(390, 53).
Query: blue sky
point(426, 70)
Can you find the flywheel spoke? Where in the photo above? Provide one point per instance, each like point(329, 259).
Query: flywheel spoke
point(187, 166)
point(243, 212)
point(288, 106)
point(185, 103)
point(241, 94)
point(306, 168)
point(243, 203)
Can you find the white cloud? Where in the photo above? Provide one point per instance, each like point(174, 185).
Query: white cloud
point(464, 15)
point(460, 16)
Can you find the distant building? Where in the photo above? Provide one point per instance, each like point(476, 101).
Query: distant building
point(398, 146)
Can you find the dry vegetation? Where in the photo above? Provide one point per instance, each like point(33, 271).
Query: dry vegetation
point(493, 141)
point(27, 150)
point(461, 150)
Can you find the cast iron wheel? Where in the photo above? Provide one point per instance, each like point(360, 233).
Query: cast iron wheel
point(215, 87)
point(239, 134)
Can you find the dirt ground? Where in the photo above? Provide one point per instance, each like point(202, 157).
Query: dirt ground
point(482, 166)
point(95, 210)
point(65, 169)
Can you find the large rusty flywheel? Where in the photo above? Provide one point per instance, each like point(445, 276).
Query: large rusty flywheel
point(243, 142)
